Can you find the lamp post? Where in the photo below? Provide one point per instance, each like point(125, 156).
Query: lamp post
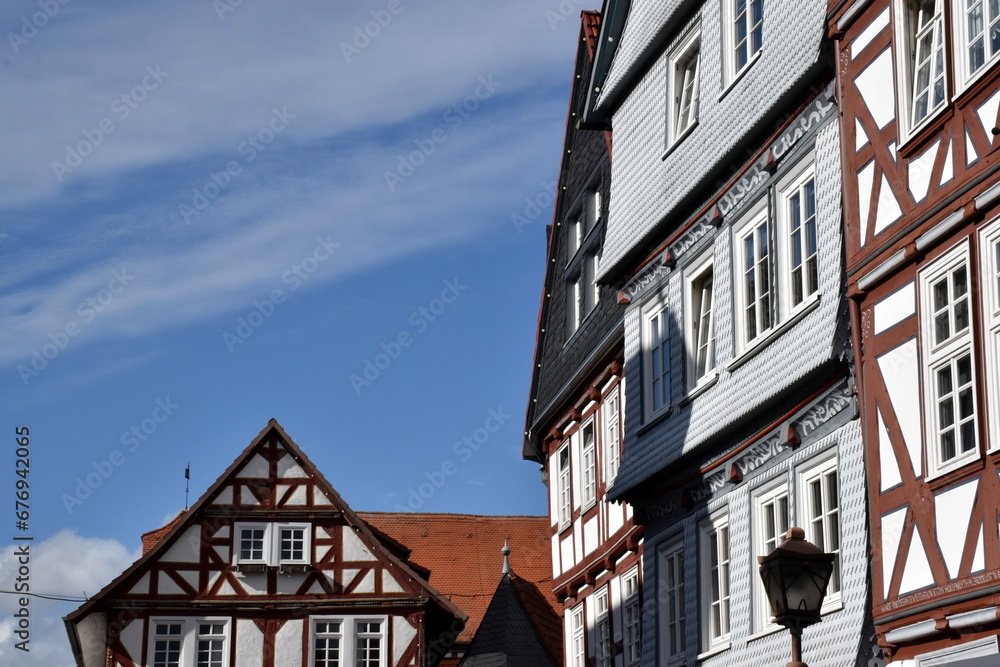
point(795, 576)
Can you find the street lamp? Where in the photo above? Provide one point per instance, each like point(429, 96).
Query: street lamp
point(795, 576)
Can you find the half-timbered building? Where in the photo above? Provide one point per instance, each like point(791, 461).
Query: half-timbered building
point(724, 240)
point(919, 99)
point(269, 567)
point(573, 422)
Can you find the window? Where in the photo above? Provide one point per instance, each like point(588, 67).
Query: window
point(754, 277)
point(605, 655)
point(949, 380)
point(701, 323)
point(776, 263)
point(578, 648)
point(590, 289)
point(272, 544)
point(656, 352)
point(188, 642)
point(565, 491)
point(990, 262)
point(327, 642)
point(683, 86)
point(633, 617)
point(612, 435)
point(167, 641)
point(770, 523)
point(715, 581)
point(582, 291)
point(671, 603)
point(797, 214)
point(573, 295)
point(979, 22)
point(251, 544)
point(744, 34)
point(820, 508)
point(211, 643)
point(920, 34)
point(354, 642)
point(583, 250)
point(589, 457)
point(368, 644)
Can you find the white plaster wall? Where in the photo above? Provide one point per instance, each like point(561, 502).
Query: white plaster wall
point(249, 644)
point(288, 643)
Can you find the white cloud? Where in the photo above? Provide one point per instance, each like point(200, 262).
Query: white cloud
point(64, 565)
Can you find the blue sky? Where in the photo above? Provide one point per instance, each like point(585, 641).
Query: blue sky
point(212, 214)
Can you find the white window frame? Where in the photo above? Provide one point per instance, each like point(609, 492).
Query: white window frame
point(748, 225)
point(765, 502)
point(577, 637)
point(272, 543)
point(632, 615)
point(588, 464)
point(591, 290)
point(349, 635)
point(683, 86)
point(792, 185)
point(190, 629)
point(656, 377)
point(715, 637)
point(604, 641)
point(953, 655)
point(937, 355)
point(671, 602)
point(612, 422)
point(696, 337)
point(818, 526)
point(905, 41)
point(964, 73)
point(732, 69)
point(564, 485)
point(573, 300)
point(989, 245)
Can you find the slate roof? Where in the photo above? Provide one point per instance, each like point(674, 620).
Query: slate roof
point(511, 634)
point(462, 553)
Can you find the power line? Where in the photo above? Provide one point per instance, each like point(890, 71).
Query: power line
point(48, 597)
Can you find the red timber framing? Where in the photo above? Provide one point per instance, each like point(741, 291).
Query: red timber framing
point(921, 187)
point(616, 544)
point(270, 562)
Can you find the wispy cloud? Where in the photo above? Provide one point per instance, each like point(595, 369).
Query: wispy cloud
point(218, 84)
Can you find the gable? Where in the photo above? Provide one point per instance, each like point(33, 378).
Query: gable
point(270, 527)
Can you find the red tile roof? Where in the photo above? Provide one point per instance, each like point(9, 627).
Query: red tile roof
point(463, 554)
point(150, 539)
